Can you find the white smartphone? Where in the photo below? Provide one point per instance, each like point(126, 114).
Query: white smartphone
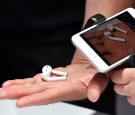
point(110, 43)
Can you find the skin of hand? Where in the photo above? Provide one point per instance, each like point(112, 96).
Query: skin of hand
point(124, 80)
point(80, 77)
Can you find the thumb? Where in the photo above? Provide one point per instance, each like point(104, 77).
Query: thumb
point(96, 86)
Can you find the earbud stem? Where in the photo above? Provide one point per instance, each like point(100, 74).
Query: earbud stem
point(117, 39)
point(59, 73)
point(47, 78)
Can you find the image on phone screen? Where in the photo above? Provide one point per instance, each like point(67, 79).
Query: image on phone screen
point(113, 40)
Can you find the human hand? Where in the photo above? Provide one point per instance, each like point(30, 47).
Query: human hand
point(83, 80)
point(124, 80)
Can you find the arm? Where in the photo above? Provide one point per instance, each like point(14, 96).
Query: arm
point(106, 7)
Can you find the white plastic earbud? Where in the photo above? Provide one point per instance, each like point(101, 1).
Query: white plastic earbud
point(112, 28)
point(109, 35)
point(47, 73)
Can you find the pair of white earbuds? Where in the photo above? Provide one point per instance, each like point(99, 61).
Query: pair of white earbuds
point(48, 74)
point(112, 28)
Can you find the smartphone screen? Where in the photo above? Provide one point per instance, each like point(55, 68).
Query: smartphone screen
point(114, 39)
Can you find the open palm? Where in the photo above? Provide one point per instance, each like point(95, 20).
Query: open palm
point(82, 79)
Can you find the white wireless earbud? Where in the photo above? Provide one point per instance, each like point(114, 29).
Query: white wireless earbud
point(112, 28)
point(109, 35)
point(47, 73)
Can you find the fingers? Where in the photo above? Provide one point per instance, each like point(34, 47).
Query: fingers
point(44, 93)
point(18, 82)
point(59, 92)
point(17, 91)
point(96, 86)
point(123, 76)
point(124, 80)
point(131, 100)
point(22, 81)
point(99, 45)
point(120, 89)
point(14, 89)
point(46, 97)
point(96, 41)
point(126, 90)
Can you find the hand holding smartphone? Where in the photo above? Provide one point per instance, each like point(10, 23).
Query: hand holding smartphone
point(110, 43)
